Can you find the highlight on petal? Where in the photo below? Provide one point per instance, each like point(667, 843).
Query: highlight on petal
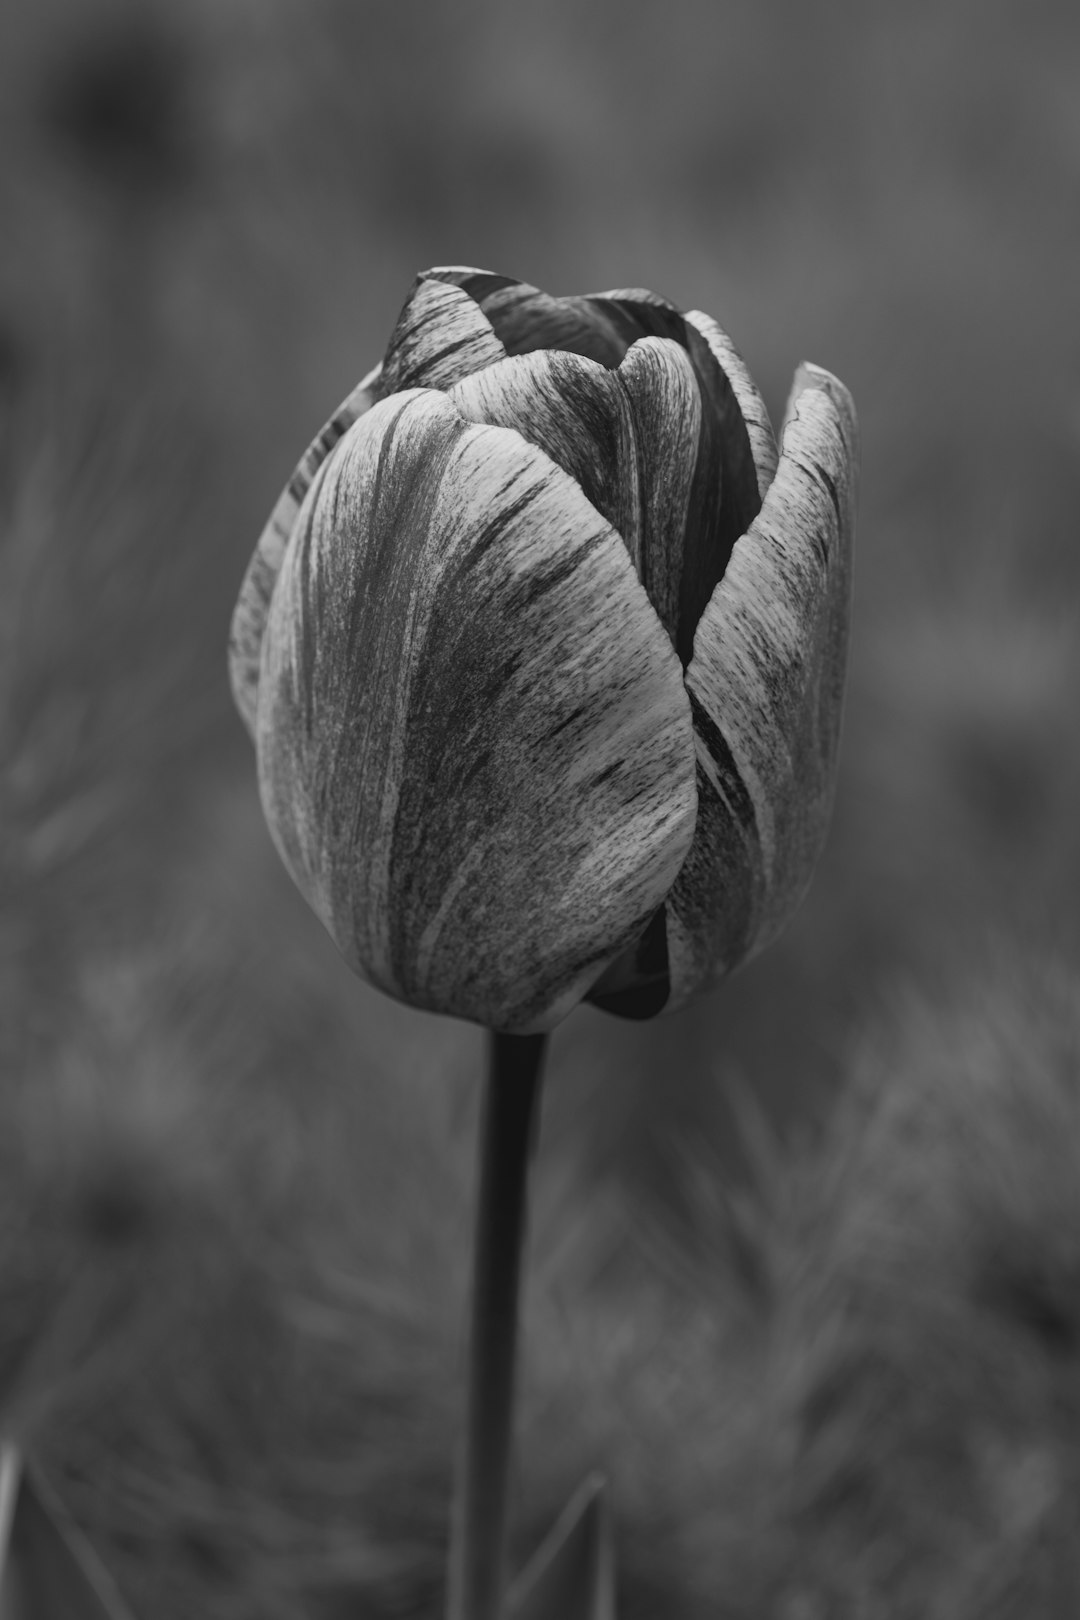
point(579, 414)
point(766, 687)
point(475, 748)
point(758, 427)
point(441, 336)
point(253, 604)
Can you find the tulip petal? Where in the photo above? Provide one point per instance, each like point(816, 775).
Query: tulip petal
point(758, 427)
point(526, 319)
point(638, 983)
point(249, 615)
point(724, 500)
point(578, 413)
point(441, 336)
point(666, 408)
point(766, 686)
point(475, 748)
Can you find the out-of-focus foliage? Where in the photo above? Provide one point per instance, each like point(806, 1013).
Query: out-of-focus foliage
point(234, 1184)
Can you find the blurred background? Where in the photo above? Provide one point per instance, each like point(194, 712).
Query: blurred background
point(212, 214)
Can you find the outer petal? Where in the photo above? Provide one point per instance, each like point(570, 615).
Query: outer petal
point(441, 336)
point(475, 749)
point(766, 686)
point(249, 615)
point(758, 427)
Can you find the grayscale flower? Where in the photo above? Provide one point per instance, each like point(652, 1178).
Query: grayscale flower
point(543, 654)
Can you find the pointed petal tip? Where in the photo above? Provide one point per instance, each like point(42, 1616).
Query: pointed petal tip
point(440, 336)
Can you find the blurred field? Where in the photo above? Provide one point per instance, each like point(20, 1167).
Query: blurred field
point(831, 1356)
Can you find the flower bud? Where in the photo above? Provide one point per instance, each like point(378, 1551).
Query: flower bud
point(543, 653)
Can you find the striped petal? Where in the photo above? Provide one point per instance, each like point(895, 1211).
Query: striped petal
point(766, 685)
point(579, 414)
point(249, 615)
point(441, 336)
point(758, 427)
point(475, 748)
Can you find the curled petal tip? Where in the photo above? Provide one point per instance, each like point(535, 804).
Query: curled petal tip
point(808, 375)
point(452, 272)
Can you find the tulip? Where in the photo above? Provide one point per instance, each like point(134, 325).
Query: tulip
point(543, 653)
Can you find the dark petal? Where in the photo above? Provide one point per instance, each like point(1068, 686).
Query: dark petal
point(475, 748)
point(249, 615)
point(766, 689)
point(579, 414)
point(724, 499)
point(527, 319)
point(635, 313)
point(666, 409)
point(637, 984)
point(759, 429)
point(440, 337)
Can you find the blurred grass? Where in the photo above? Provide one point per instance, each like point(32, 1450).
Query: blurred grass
point(235, 1182)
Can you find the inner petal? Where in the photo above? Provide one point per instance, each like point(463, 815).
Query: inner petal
point(526, 319)
point(580, 415)
point(666, 406)
point(724, 498)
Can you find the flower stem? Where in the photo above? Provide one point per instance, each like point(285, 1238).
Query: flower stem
point(478, 1537)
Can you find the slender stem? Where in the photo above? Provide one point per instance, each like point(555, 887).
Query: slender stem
point(478, 1539)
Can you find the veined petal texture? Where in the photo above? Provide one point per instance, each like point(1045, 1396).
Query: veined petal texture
point(628, 437)
point(579, 414)
point(253, 604)
point(766, 686)
point(475, 748)
point(441, 336)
